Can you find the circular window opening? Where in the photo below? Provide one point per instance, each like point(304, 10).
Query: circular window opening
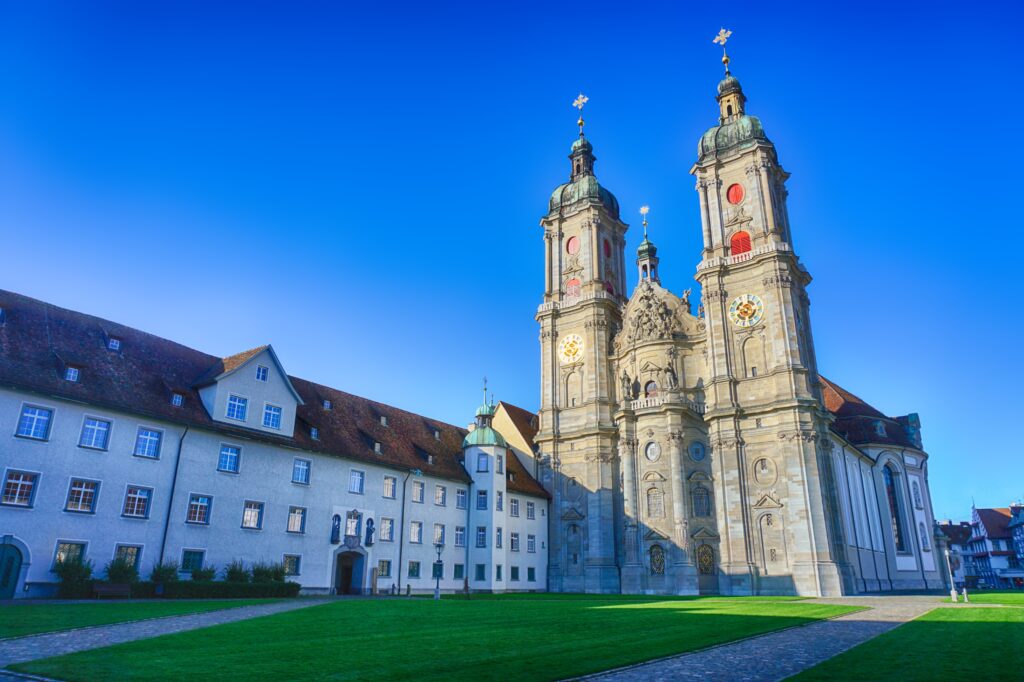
point(734, 194)
point(573, 245)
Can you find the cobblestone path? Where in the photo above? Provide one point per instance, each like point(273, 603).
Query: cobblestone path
point(57, 643)
point(778, 655)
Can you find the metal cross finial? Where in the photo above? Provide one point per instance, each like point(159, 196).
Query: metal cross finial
point(721, 39)
point(578, 103)
point(644, 210)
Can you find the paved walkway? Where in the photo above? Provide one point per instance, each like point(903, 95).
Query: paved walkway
point(69, 641)
point(778, 655)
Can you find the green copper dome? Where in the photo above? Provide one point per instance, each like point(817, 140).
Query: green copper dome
point(486, 410)
point(742, 132)
point(728, 85)
point(585, 188)
point(484, 435)
point(647, 249)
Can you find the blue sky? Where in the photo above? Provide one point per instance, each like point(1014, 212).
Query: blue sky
point(360, 184)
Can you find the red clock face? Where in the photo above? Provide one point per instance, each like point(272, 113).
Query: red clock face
point(573, 246)
point(734, 194)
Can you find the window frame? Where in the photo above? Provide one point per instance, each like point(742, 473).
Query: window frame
point(63, 541)
point(362, 481)
point(72, 373)
point(238, 458)
point(49, 422)
point(86, 418)
point(138, 554)
point(415, 532)
point(384, 487)
point(71, 485)
point(513, 506)
point(419, 572)
point(124, 503)
point(481, 500)
point(298, 564)
point(245, 407)
point(460, 533)
point(421, 487)
point(439, 536)
point(440, 491)
point(268, 409)
point(382, 573)
point(193, 550)
point(37, 477)
point(309, 470)
point(262, 373)
point(209, 509)
point(259, 518)
point(302, 527)
point(389, 523)
point(481, 537)
point(159, 441)
point(531, 510)
point(513, 541)
point(531, 543)
point(463, 495)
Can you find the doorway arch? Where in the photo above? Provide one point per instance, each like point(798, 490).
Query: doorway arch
point(349, 572)
point(11, 560)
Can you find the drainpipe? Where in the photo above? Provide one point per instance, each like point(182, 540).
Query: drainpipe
point(174, 485)
point(401, 532)
point(469, 527)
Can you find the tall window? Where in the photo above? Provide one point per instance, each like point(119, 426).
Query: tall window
point(924, 536)
point(655, 504)
point(497, 538)
point(19, 488)
point(147, 443)
point(481, 536)
point(460, 498)
point(499, 464)
point(895, 511)
point(390, 484)
point(272, 416)
point(136, 502)
point(384, 568)
point(417, 491)
point(229, 457)
point(651, 389)
point(513, 506)
point(701, 501)
point(292, 564)
point(438, 533)
point(82, 496)
point(34, 422)
point(300, 471)
point(740, 243)
point(481, 462)
point(460, 536)
point(262, 373)
point(531, 543)
point(198, 509)
point(414, 569)
point(513, 541)
point(499, 500)
point(296, 520)
point(416, 532)
point(237, 407)
point(355, 482)
point(95, 433)
point(252, 515)
point(531, 510)
point(481, 499)
point(441, 495)
point(387, 529)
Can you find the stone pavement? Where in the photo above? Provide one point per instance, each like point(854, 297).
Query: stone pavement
point(66, 642)
point(778, 655)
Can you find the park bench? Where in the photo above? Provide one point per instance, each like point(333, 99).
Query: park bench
point(112, 590)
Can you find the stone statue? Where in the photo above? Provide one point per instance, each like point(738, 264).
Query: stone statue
point(686, 300)
point(627, 386)
point(369, 533)
point(671, 380)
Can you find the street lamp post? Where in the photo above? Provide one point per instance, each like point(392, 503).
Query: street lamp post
point(952, 585)
point(438, 567)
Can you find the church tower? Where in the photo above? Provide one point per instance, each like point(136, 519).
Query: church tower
point(584, 247)
point(769, 432)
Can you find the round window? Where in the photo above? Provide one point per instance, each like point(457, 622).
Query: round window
point(652, 451)
point(734, 194)
point(697, 451)
point(573, 246)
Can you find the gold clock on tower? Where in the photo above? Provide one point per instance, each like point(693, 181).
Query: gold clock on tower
point(746, 310)
point(570, 349)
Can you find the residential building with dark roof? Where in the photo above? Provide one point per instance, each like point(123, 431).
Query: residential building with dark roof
point(991, 554)
point(123, 444)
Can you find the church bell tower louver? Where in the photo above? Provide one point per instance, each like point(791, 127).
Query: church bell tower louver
point(767, 426)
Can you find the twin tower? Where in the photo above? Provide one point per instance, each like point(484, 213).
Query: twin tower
point(685, 453)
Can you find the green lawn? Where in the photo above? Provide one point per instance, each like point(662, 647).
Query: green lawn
point(944, 644)
point(1015, 598)
point(508, 638)
point(30, 619)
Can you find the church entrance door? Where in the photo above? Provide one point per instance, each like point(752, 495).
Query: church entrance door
point(707, 576)
point(348, 577)
point(10, 569)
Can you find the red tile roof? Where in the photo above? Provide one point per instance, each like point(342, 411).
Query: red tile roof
point(856, 420)
point(995, 522)
point(37, 340)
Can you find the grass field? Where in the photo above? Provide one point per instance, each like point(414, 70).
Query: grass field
point(496, 639)
point(1015, 598)
point(944, 644)
point(30, 619)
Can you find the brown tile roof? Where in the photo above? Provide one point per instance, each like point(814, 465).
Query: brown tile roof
point(228, 365)
point(995, 522)
point(519, 480)
point(37, 340)
point(958, 533)
point(856, 420)
point(524, 420)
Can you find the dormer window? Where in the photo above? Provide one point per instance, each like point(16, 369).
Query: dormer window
point(238, 407)
point(327, 404)
point(437, 435)
point(262, 373)
point(377, 448)
point(383, 420)
point(114, 343)
point(314, 433)
point(71, 374)
point(879, 428)
point(177, 399)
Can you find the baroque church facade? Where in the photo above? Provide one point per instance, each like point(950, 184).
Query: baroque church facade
point(703, 453)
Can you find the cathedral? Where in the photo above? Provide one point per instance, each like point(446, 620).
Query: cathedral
point(701, 452)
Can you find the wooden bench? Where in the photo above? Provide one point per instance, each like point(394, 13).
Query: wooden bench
point(112, 590)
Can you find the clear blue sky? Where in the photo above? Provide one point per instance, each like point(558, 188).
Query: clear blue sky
point(360, 184)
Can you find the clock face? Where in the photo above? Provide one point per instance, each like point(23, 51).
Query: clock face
point(570, 349)
point(746, 310)
point(652, 452)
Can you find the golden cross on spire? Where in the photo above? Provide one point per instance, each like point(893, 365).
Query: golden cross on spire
point(723, 37)
point(644, 210)
point(578, 103)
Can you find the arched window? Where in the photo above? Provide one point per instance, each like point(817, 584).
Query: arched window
point(728, 110)
point(924, 536)
point(889, 477)
point(655, 504)
point(701, 501)
point(572, 288)
point(740, 243)
point(651, 389)
point(657, 555)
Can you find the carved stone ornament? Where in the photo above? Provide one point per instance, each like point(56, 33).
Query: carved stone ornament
point(780, 280)
point(806, 436)
point(649, 317)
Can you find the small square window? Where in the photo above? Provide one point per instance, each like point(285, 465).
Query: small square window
point(314, 433)
point(199, 509)
point(300, 471)
point(95, 434)
point(384, 568)
point(327, 404)
point(147, 443)
point(252, 515)
point(272, 416)
point(114, 343)
point(296, 520)
point(262, 373)
point(71, 374)
point(68, 552)
point(192, 560)
point(238, 407)
point(82, 496)
point(229, 459)
point(414, 569)
point(19, 488)
point(292, 564)
point(136, 502)
point(34, 422)
point(383, 420)
point(177, 399)
point(355, 482)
